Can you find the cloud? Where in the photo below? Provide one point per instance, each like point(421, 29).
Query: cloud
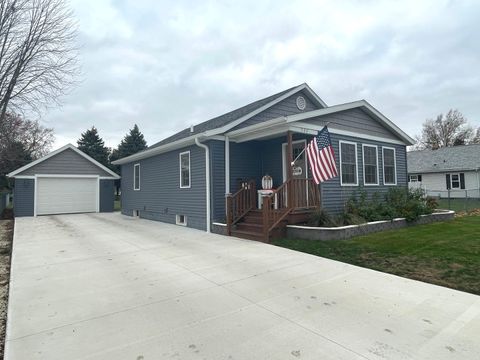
point(167, 65)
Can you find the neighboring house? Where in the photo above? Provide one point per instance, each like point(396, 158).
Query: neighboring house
point(451, 170)
point(62, 182)
point(186, 178)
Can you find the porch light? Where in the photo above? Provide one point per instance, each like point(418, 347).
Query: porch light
point(267, 182)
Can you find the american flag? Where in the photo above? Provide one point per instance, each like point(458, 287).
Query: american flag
point(322, 157)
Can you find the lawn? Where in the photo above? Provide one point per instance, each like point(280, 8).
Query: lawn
point(445, 253)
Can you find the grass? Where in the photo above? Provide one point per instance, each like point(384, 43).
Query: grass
point(116, 205)
point(445, 253)
point(459, 204)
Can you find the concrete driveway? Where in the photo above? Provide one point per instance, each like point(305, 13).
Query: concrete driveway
point(105, 286)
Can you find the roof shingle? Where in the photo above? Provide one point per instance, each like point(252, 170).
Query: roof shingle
point(455, 158)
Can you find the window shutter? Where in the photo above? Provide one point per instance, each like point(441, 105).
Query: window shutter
point(419, 178)
point(447, 177)
point(408, 178)
point(462, 181)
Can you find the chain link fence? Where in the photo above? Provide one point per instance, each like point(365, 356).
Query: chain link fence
point(456, 199)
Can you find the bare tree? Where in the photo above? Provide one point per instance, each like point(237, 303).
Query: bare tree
point(449, 130)
point(37, 54)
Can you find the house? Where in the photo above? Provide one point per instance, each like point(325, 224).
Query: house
point(209, 176)
point(451, 171)
point(64, 181)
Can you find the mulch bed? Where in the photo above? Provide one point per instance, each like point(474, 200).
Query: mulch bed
point(6, 236)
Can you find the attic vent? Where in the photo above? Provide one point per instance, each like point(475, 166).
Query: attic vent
point(301, 103)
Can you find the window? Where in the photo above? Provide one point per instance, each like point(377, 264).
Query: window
point(136, 177)
point(415, 178)
point(370, 165)
point(455, 184)
point(348, 163)
point(185, 169)
point(389, 166)
point(181, 220)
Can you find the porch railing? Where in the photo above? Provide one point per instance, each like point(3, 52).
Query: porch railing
point(240, 203)
point(292, 194)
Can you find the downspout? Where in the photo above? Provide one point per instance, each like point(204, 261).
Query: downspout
point(227, 165)
point(207, 178)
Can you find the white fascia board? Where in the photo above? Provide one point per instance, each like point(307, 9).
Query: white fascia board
point(352, 105)
point(333, 130)
point(190, 140)
point(58, 151)
point(257, 111)
point(315, 96)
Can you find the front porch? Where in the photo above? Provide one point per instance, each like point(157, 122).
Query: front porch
point(261, 215)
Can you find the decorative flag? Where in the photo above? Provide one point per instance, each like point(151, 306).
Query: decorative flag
point(322, 157)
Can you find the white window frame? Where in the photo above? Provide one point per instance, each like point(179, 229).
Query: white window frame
point(340, 142)
point(394, 164)
point(451, 181)
point(189, 170)
point(412, 176)
point(178, 222)
point(363, 164)
point(136, 188)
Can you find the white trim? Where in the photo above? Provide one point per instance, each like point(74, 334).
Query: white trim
point(107, 178)
point(340, 142)
point(58, 151)
point(178, 222)
point(394, 164)
point(284, 160)
point(25, 177)
point(363, 165)
point(348, 106)
point(459, 182)
point(227, 165)
point(333, 130)
point(189, 170)
point(207, 183)
point(67, 176)
point(139, 171)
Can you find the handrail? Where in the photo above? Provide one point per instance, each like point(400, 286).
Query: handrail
point(240, 203)
point(292, 194)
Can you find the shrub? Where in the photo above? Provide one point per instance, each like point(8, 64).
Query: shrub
point(321, 218)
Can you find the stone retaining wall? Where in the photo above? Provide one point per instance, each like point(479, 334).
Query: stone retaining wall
point(346, 232)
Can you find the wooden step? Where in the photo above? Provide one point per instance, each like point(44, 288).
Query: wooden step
point(248, 226)
point(249, 235)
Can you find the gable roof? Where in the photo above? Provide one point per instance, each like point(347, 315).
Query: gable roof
point(365, 106)
point(221, 124)
point(58, 151)
point(456, 158)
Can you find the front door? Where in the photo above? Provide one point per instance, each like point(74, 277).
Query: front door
point(300, 165)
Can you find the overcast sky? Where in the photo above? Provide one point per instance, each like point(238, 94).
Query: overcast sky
point(167, 65)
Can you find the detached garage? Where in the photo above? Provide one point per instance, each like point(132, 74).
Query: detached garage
point(66, 181)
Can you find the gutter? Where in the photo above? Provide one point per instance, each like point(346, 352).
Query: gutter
point(207, 179)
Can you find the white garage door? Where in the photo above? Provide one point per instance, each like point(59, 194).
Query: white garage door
point(66, 195)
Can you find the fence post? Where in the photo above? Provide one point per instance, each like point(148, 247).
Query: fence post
point(449, 206)
point(466, 200)
point(266, 208)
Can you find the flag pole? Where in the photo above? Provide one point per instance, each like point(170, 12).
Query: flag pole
point(305, 148)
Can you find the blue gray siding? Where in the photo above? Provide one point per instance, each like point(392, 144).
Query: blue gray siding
point(334, 196)
point(354, 120)
point(107, 195)
point(217, 180)
point(160, 196)
point(283, 108)
point(23, 197)
point(66, 162)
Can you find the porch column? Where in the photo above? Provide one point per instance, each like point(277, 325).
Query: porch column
point(227, 165)
point(289, 155)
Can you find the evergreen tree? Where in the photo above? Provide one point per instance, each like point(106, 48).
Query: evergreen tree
point(93, 145)
point(132, 143)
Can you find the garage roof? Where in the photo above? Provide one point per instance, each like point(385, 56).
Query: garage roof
point(103, 171)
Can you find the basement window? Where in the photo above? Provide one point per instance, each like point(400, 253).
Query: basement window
point(181, 220)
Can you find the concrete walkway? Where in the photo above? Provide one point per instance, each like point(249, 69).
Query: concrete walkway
point(104, 286)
